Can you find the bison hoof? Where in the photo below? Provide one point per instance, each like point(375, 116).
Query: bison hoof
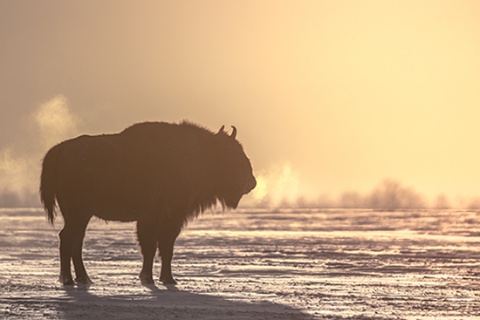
point(146, 280)
point(66, 281)
point(83, 280)
point(168, 281)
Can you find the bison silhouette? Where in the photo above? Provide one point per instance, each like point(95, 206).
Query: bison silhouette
point(160, 175)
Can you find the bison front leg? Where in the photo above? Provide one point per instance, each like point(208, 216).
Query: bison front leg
point(146, 232)
point(166, 242)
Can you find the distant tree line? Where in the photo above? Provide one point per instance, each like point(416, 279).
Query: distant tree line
point(389, 195)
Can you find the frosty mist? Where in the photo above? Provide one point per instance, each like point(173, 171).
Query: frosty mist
point(20, 163)
point(279, 183)
point(53, 121)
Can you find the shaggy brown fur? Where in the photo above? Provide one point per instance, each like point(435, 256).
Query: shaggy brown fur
point(158, 174)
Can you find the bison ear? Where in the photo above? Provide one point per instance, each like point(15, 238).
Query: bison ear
point(234, 132)
point(222, 130)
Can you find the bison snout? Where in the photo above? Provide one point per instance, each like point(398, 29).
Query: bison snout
point(250, 184)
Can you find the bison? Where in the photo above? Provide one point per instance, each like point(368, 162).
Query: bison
point(159, 174)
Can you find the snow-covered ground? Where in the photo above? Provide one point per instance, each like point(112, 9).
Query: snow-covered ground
point(255, 264)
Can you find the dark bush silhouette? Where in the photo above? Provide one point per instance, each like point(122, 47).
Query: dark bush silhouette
point(351, 199)
point(391, 195)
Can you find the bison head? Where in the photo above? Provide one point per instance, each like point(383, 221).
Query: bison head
point(233, 169)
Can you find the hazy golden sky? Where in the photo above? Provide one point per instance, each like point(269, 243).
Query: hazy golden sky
point(346, 92)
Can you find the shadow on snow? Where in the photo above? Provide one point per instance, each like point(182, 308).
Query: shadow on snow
point(168, 303)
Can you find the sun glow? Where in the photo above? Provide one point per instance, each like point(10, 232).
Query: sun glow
point(348, 93)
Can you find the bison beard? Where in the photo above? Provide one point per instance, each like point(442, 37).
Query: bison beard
point(158, 174)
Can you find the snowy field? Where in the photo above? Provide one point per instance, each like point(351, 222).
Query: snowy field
point(255, 264)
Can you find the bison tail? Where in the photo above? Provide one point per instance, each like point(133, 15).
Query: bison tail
point(47, 183)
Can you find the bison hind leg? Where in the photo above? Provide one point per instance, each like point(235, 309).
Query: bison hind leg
point(71, 243)
point(82, 277)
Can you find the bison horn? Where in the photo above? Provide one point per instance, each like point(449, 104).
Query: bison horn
point(234, 132)
point(222, 130)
